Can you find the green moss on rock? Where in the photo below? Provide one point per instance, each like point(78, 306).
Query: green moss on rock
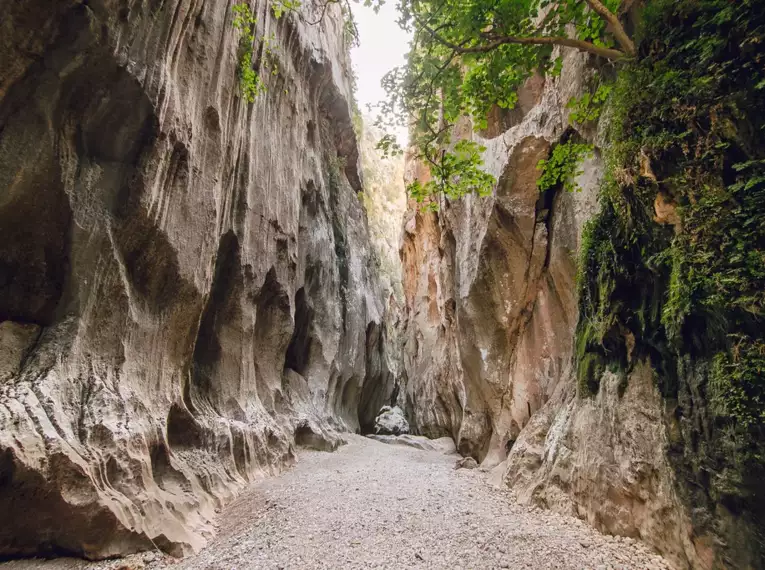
point(687, 123)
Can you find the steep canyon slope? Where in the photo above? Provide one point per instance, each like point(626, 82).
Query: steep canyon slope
point(602, 349)
point(186, 290)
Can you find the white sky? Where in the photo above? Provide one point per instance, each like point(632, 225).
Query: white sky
point(383, 46)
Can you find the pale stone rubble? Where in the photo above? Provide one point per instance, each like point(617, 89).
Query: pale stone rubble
point(371, 505)
point(391, 421)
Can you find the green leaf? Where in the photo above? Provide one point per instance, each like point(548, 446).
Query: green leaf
point(439, 86)
point(563, 166)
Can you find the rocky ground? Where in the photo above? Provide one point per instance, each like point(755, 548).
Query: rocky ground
point(372, 505)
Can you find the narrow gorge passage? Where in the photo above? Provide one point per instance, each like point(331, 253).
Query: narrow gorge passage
point(232, 231)
point(372, 505)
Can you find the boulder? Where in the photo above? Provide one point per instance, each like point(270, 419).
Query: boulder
point(466, 463)
point(391, 421)
point(443, 445)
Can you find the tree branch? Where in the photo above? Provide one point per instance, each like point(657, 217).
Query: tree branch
point(616, 26)
point(321, 17)
point(346, 9)
point(581, 45)
point(440, 70)
point(626, 6)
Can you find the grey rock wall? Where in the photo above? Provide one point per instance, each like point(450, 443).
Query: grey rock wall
point(185, 286)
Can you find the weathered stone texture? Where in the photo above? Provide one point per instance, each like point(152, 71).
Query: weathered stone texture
point(490, 286)
point(185, 286)
point(491, 310)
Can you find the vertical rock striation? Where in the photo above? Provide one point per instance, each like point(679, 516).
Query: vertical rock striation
point(489, 282)
point(384, 201)
point(490, 328)
point(185, 285)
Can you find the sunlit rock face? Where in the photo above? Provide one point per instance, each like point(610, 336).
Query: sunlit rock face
point(384, 201)
point(491, 311)
point(489, 282)
point(185, 279)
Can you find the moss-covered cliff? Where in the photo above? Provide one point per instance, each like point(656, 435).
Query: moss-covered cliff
point(614, 367)
point(673, 266)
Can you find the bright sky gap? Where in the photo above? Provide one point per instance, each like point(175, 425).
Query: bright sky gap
point(383, 46)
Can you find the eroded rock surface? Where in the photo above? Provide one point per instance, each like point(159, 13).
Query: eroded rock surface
point(574, 453)
point(391, 421)
point(491, 311)
point(185, 285)
point(489, 284)
point(443, 444)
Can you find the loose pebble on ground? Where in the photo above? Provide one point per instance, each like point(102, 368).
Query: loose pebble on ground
point(372, 505)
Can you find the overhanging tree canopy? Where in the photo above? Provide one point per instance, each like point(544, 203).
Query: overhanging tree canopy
point(469, 55)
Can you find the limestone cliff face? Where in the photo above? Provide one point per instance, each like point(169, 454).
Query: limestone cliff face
point(491, 313)
point(489, 283)
point(384, 201)
point(185, 286)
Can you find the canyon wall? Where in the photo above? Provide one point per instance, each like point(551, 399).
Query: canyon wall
point(489, 283)
point(496, 348)
point(385, 203)
point(186, 286)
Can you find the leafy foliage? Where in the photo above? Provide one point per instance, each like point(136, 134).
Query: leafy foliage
point(686, 122)
point(563, 166)
point(389, 145)
point(468, 57)
point(454, 172)
point(279, 7)
point(250, 83)
point(737, 386)
point(587, 108)
point(620, 282)
point(690, 107)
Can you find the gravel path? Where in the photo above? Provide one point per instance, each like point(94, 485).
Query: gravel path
point(372, 505)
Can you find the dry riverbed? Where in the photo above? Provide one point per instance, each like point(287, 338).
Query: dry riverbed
point(372, 505)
